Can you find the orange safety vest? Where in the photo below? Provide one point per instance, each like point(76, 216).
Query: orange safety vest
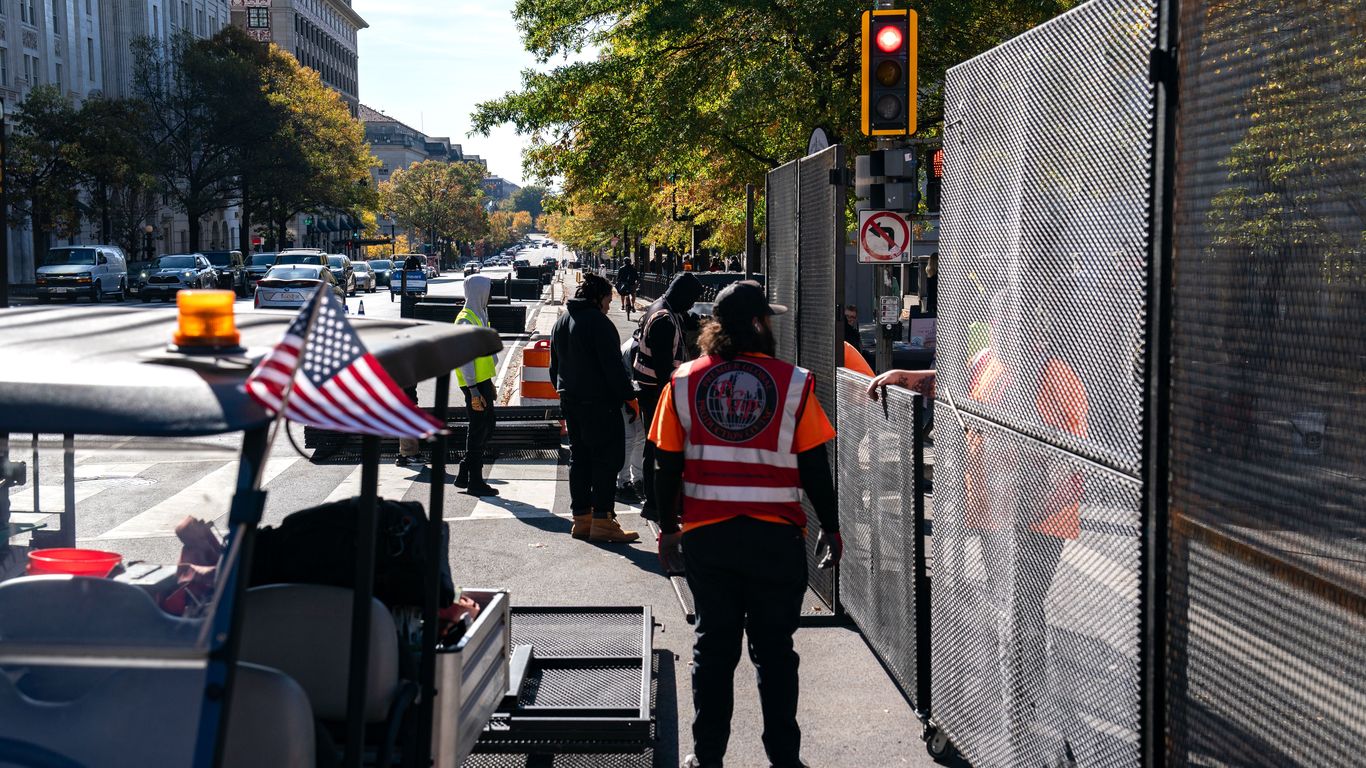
point(1061, 404)
point(740, 421)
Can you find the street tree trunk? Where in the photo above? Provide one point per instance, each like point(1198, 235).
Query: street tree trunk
point(195, 227)
point(244, 232)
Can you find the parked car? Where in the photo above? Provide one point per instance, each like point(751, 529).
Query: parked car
point(232, 272)
point(343, 272)
point(74, 271)
point(365, 276)
point(137, 274)
point(383, 268)
point(472, 268)
point(171, 274)
point(289, 286)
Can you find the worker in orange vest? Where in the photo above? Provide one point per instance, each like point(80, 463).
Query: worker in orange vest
point(739, 436)
point(1022, 538)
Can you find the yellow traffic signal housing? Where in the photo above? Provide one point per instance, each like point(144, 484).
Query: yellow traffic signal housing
point(889, 73)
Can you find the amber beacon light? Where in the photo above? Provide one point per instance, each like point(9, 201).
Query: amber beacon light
point(205, 322)
point(889, 73)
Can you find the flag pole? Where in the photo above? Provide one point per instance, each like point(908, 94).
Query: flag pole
point(317, 303)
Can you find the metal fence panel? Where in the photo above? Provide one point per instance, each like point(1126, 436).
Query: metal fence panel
point(1267, 664)
point(1041, 349)
point(1035, 642)
point(877, 520)
point(780, 221)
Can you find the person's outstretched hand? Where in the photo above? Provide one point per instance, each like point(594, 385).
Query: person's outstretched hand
point(671, 553)
point(915, 380)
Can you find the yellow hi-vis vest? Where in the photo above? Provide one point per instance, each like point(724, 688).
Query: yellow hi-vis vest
point(484, 367)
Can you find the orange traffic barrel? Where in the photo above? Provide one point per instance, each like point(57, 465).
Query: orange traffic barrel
point(536, 383)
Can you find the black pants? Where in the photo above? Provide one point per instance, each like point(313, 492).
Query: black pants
point(747, 577)
point(649, 403)
point(597, 449)
point(481, 424)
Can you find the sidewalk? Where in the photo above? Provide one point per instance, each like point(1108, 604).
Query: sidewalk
point(850, 712)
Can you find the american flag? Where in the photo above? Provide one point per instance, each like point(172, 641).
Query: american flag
point(338, 385)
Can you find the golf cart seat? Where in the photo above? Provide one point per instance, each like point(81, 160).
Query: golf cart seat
point(304, 630)
point(150, 716)
point(75, 609)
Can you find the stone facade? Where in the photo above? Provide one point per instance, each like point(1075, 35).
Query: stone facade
point(322, 35)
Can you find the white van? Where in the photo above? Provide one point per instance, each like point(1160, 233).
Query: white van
point(74, 271)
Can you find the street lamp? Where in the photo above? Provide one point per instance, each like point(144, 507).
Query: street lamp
point(147, 242)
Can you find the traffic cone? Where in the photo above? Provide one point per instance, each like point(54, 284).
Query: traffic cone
point(361, 311)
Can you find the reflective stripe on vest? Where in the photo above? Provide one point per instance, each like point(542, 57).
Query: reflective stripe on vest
point(647, 372)
point(740, 421)
point(484, 367)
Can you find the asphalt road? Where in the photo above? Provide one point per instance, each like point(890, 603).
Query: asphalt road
point(130, 495)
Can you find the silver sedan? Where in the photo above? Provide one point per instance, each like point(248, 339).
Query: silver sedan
point(288, 286)
point(364, 275)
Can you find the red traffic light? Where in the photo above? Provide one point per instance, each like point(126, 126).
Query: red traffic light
point(889, 39)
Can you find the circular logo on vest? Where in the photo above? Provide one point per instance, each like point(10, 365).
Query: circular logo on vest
point(736, 400)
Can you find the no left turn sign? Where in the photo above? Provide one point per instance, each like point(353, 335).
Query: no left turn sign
point(884, 237)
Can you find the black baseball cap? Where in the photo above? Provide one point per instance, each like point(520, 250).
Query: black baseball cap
point(742, 301)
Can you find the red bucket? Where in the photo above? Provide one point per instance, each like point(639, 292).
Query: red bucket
point(76, 562)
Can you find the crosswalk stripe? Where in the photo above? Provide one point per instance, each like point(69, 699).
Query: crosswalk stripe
point(205, 498)
point(394, 482)
point(92, 479)
point(533, 498)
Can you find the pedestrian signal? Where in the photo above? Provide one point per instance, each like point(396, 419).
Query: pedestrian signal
point(889, 73)
point(934, 180)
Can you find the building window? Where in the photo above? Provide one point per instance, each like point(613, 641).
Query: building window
point(199, 23)
point(56, 18)
point(87, 8)
point(156, 22)
point(4, 67)
point(90, 57)
point(23, 11)
point(258, 18)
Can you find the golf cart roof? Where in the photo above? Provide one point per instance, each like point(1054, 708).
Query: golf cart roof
point(105, 371)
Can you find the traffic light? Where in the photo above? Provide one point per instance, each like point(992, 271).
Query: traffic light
point(934, 180)
point(889, 73)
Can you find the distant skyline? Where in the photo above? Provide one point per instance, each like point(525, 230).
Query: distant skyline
point(427, 63)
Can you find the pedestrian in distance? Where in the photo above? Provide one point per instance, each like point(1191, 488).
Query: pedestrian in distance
point(627, 281)
point(594, 388)
point(749, 435)
point(476, 382)
point(661, 348)
point(734, 265)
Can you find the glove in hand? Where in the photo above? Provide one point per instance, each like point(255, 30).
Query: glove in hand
point(671, 553)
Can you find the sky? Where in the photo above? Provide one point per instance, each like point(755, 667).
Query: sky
point(427, 63)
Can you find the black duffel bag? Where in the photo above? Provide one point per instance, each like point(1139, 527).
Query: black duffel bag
point(318, 546)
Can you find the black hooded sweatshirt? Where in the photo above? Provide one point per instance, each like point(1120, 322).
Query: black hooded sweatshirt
point(585, 357)
point(658, 344)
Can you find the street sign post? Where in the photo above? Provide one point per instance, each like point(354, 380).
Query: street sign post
point(884, 237)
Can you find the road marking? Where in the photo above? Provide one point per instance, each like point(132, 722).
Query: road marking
point(523, 499)
point(206, 498)
point(394, 482)
point(90, 480)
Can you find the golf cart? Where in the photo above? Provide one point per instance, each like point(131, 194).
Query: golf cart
point(94, 672)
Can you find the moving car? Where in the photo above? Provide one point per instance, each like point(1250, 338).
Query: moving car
point(301, 256)
point(289, 286)
point(365, 276)
point(171, 274)
point(232, 272)
point(258, 264)
point(472, 268)
point(383, 268)
point(343, 272)
point(137, 274)
point(74, 271)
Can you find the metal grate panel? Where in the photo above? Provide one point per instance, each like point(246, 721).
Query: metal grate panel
point(780, 222)
point(559, 634)
point(1268, 480)
point(613, 687)
point(877, 520)
point(1046, 231)
point(1034, 635)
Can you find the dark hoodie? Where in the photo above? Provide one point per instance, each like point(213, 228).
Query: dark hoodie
point(585, 357)
point(662, 335)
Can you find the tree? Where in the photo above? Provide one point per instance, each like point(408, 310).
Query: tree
point(710, 93)
point(190, 148)
point(437, 198)
point(528, 199)
point(110, 164)
point(40, 169)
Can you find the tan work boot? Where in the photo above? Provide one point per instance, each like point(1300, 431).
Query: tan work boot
point(609, 530)
point(583, 526)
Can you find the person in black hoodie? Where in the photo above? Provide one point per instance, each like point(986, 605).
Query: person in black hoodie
point(586, 369)
point(661, 350)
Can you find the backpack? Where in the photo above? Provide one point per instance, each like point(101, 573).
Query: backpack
point(318, 546)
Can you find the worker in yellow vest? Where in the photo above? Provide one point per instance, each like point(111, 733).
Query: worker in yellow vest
point(476, 381)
